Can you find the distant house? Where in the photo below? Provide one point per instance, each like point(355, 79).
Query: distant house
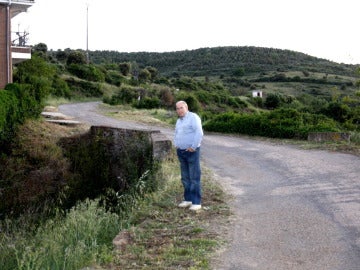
point(257, 93)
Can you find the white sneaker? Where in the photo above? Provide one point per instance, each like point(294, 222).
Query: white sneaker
point(184, 204)
point(195, 207)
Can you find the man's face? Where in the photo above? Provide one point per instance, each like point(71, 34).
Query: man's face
point(181, 109)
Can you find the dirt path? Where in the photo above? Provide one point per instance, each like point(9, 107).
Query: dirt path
point(293, 208)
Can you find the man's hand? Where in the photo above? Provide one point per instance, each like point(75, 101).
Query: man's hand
point(190, 149)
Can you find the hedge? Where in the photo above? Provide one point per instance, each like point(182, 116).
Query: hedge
point(281, 123)
point(17, 103)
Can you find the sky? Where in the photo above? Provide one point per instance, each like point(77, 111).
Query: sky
point(327, 29)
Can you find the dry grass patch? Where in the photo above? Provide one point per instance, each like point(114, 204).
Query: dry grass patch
point(163, 236)
point(154, 117)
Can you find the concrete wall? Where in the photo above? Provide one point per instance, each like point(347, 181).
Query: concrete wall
point(109, 157)
point(160, 144)
point(328, 136)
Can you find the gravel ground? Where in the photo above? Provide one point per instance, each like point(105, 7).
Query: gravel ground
point(293, 208)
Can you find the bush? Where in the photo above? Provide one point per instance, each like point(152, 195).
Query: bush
point(124, 68)
point(126, 95)
point(80, 239)
point(281, 123)
point(60, 88)
point(76, 57)
point(17, 103)
point(9, 116)
point(88, 89)
point(355, 137)
point(272, 101)
point(338, 111)
point(186, 83)
point(167, 98)
point(33, 173)
point(86, 72)
point(114, 78)
point(148, 103)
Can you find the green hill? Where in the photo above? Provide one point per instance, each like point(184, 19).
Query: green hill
point(243, 69)
point(225, 61)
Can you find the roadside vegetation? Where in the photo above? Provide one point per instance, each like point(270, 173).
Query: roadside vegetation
point(154, 233)
point(39, 229)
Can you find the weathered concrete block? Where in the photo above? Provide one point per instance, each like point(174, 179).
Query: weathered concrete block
point(161, 145)
point(328, 136)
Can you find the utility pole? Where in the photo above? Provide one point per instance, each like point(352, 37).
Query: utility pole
point(87, 33)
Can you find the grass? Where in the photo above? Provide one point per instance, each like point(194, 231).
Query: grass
point(167, 237)
point(82, 238)
point(157, 117)
point(160, 235)
point(56, 101)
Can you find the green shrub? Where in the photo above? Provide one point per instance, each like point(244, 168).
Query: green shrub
point(126, 95)
point(86, 88)
point(272, 101)
point(9, 116)
point(18, 102)
point(114, 78)
point(186, 83)
point(148, 103)
point(355, 137)
point(76, 57)
point(86, 72)
point(280, 123)
point(80, 239)
point(60, 88)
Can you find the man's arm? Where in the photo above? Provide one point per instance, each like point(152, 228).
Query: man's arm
point(198, 132)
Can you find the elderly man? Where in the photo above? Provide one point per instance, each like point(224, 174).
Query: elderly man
point(187, 140)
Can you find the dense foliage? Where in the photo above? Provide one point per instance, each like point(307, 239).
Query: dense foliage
point(212, 80)
point(223, 61)
point(279, 123)
point(24, 99)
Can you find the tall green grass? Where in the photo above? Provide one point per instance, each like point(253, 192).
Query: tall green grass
point(83, 237)
point(355, 137)
point(162, 236)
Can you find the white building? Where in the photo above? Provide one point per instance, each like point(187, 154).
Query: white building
point(257, 93)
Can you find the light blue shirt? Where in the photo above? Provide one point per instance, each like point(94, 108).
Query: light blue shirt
point(188, 131)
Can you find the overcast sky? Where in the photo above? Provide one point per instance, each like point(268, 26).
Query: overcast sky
point(322, 28)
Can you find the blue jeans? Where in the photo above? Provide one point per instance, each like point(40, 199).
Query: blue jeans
point(190, 174)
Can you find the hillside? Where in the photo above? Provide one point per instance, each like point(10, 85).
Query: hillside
point(220, 61)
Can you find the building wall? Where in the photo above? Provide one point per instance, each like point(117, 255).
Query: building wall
point(4, 42)
point(257, 93)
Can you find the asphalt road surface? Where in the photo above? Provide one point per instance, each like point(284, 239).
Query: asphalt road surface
point(293, 208)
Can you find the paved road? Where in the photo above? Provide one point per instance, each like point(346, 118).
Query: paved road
point(294, 209)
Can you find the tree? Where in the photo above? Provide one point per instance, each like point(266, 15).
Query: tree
point(125, 68)
point(61, 55)
point(35, 67)
point(167, 97)
point(338, 111)
point(239, 72)
point(41, 47)
point(272, 101)
point(153, 72)
point(76, 57)
point(144, 75)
